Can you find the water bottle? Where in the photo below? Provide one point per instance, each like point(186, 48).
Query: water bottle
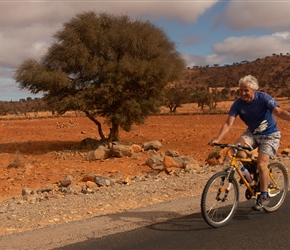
point(246, 174)
point(248, 166)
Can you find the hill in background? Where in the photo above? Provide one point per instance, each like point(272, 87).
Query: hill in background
point(272, 72)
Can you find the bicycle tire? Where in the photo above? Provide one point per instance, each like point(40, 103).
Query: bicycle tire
point(218, 209)
point(277, 192)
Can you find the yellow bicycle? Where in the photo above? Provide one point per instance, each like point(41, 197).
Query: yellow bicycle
point(220, 195)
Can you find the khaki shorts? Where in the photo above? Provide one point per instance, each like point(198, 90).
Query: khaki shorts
point(267, 144)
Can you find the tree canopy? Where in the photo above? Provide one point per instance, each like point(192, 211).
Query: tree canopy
point(106, 66)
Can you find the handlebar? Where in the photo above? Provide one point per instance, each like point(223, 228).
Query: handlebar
point(233, 146)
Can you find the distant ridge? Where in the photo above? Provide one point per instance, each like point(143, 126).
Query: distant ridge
point(272, 72)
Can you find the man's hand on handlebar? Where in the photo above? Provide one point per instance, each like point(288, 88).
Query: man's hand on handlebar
point(212, 142)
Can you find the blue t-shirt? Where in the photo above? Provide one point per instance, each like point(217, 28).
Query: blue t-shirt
point(257, 115)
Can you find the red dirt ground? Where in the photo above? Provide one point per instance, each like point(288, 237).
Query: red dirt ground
point(39, 152)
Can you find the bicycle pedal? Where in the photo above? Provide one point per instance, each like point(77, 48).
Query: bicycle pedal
point(248, 194)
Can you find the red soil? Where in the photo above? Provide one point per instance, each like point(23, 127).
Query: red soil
point(39, 152)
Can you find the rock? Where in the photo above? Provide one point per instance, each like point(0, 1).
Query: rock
point(91, 184)
point(155, 162)
point(26, 191)
point(214, 155)
point(212, 161)
point(89, 177)
point(45, 189)
point(127, 181)
point(136, 148)
point(172, 171)
point(156, 145)
point(285, 151)
point(102, 181)
point(171, 153)
point(172, 162)
point(65, 190)
point(119, 150)
point(102, 152)
point(66, 181)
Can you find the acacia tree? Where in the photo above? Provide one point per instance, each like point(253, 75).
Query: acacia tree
point(175, 96)
point(204, 98)
point(106, 66)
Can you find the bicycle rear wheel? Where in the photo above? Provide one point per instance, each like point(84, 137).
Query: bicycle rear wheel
point(278, 186)
point(219, 199)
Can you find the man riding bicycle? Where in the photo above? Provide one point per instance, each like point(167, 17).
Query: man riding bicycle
point(256, 109)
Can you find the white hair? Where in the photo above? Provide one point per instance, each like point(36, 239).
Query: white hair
point(250, 79)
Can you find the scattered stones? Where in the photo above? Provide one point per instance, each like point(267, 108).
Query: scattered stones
point(170, 162)
point(174, 177)
point(58, 204)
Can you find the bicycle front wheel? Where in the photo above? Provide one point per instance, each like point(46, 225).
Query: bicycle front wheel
point(278, 186)
point(219, 199)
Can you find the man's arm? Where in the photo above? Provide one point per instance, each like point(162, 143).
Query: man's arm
point(283, 114)
point(224, 129)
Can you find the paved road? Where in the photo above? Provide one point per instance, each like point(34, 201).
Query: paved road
point(175, 224)
point(247, 230)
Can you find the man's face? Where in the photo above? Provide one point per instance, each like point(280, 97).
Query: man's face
point(246, 93)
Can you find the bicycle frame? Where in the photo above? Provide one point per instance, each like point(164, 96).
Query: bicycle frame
point(234, 167)
point(234, 163)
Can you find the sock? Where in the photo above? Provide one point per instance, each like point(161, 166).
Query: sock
point(264, 193)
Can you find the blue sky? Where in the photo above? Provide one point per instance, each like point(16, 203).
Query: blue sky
point(205, 32)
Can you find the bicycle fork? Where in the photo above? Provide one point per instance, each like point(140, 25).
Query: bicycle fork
point(224, 190)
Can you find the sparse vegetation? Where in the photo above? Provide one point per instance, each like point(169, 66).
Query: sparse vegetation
point(175, 96)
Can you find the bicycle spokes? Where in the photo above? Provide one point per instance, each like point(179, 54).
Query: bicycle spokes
point(223, 192)
point(219, 199)
point(278, 186)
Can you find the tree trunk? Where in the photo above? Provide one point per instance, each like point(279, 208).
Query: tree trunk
point(92, 118)
point(114, 132)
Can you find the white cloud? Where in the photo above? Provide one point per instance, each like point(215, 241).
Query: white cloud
point(17, 45)
point(27, 24)
point(192, 60)
point(237, 49)
point(18, 13)
point(270, 15)
point(254, 16)
point(252, 47)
